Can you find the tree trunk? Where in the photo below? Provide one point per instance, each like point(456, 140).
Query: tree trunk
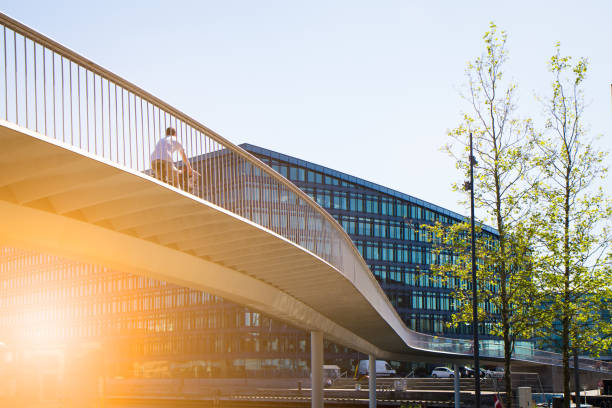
point(503, 278)
point(566, 291)
point(566, 372)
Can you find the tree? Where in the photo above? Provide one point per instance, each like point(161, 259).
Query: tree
point(502, 148)
point(571, 220)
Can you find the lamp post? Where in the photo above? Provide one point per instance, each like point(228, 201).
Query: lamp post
point(476, 347)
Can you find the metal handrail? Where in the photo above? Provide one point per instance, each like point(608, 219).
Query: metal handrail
point(233, 173)
point(106, 74)
point(109, 76)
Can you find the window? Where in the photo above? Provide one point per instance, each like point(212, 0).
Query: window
point(372, 204)
point(387, 252)
point(331, 181)
point(401, 210)
point(349, 225)
point(340, 202)
point(380, 229)
point(372, 252)
point(364, 227)
point(394, 230)
point(387, 207)
point(356, 203)
point(323, 198)
point(297, 174)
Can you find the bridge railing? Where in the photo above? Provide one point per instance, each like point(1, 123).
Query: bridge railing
point(523, 351)
point(47, 88)
point(50, 89)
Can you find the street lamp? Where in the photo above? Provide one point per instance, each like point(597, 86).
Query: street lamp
point(470, 185)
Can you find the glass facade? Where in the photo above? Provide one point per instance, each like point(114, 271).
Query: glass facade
point(145, 327)
point(387, 228)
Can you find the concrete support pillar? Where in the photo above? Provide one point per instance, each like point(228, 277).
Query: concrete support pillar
point(316, 368)
point(372, 380)
point(457, 388)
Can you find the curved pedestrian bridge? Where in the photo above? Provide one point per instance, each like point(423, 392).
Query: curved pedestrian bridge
point(75, 180)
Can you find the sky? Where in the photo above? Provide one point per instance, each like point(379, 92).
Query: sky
point(369, 88)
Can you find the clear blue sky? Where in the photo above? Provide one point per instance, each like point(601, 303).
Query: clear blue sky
point(365, 87)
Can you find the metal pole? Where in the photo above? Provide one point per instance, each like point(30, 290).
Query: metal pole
point(576, 377)
point(457, 387)
point(474, 286)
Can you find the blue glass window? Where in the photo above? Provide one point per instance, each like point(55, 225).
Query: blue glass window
point(394, 230)
point(323, 198)
point(331, 181)
point(340, 202)
point(417, 300)
point(283, 171)
point(387, 207)
point(356, 204)
point(364, 227)
point(372, 252)
point(401, 210)
point(372, 204)
point(380, 229)
point(387, 253)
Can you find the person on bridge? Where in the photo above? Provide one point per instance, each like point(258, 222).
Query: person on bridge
point(162, 162)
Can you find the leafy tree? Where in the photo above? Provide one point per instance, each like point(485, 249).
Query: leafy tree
point(501, 149)
point(571, 220)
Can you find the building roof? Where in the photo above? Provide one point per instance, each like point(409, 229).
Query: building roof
point(361, 182)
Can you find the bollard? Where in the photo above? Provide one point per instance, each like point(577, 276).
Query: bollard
point(524, 397)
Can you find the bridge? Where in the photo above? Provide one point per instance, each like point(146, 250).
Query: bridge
point(75, 180)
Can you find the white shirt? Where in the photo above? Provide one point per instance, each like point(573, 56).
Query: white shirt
point(165, 148)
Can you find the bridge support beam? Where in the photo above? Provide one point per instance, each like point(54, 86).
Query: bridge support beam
point(457, 388)
point(372, 380)
point(316, 368)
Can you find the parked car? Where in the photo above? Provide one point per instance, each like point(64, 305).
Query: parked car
point(466, 372)
point(383, 369)
point(443, 372)
point(495, 372)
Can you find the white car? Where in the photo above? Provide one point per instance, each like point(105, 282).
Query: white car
point(497, 372)
point(443, 372)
